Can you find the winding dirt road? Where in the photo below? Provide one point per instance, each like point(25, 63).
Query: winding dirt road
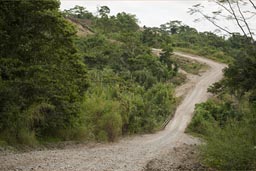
point(130, 153)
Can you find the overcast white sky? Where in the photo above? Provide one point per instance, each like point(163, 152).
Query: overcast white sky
point(152, 13)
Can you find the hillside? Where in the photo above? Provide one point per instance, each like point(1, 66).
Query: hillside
point(82, 26)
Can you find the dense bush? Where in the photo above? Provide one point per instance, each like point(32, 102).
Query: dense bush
point(101, 115)
point(230, 134)
point(231, 148)
point(141, 109)
point(160, 101)
point(42, 77)
point(147, 110)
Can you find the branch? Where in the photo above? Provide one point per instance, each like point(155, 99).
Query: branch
point(208, 18)
point(223, 6)
point(234, 14)
point(252, 4)
point(247, 26)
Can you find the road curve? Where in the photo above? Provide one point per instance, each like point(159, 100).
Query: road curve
point(130, 153)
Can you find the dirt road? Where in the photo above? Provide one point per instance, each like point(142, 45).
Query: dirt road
point(130, 153)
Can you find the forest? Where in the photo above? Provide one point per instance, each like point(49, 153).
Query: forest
point(57, 85)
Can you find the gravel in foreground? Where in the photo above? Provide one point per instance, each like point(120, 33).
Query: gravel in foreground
point(185, 157)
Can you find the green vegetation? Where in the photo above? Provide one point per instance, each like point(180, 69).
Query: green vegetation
point(229, 131)
point(130, 83)
point(187, 39)
point(134, 86)
point(228, 122)
point(225, 122)
point(190, 66)
point(57, 86)
point(43, 79)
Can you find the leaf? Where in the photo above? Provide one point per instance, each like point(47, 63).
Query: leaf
point(217, 12)
point(197, 5)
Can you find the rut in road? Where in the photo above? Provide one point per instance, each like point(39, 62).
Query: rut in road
point(130, 153)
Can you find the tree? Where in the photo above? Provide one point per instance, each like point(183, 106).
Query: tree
point(240, 75)
point(79, 12)
point(42, 77)
point(172, 27)
point(126, 22)
point(165, 57)
point(104, 11)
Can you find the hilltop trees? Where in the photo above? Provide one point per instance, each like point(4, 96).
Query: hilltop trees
point(78, 12)
point(122, 22)
point(104, 11)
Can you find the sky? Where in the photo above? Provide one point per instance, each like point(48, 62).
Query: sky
point(155, 12)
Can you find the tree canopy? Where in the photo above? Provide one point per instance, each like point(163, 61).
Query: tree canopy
point(42, 76)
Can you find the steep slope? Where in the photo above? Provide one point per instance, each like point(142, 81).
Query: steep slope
point(82, 26)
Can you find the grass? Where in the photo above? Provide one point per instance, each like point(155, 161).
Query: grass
point(179, 79)
point(216, 56)
point(3, 143)
point(190, 66)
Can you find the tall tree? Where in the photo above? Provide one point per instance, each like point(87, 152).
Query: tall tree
point(104, 11)
point(42, 77)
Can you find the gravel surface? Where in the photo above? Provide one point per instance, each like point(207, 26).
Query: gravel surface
point(130, 153)
point(184, 157)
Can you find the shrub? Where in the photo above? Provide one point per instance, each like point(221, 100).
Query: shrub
point(101, 115)
point(231, 148)
point(133, 109)
point(230, 136)
point(160, 100)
